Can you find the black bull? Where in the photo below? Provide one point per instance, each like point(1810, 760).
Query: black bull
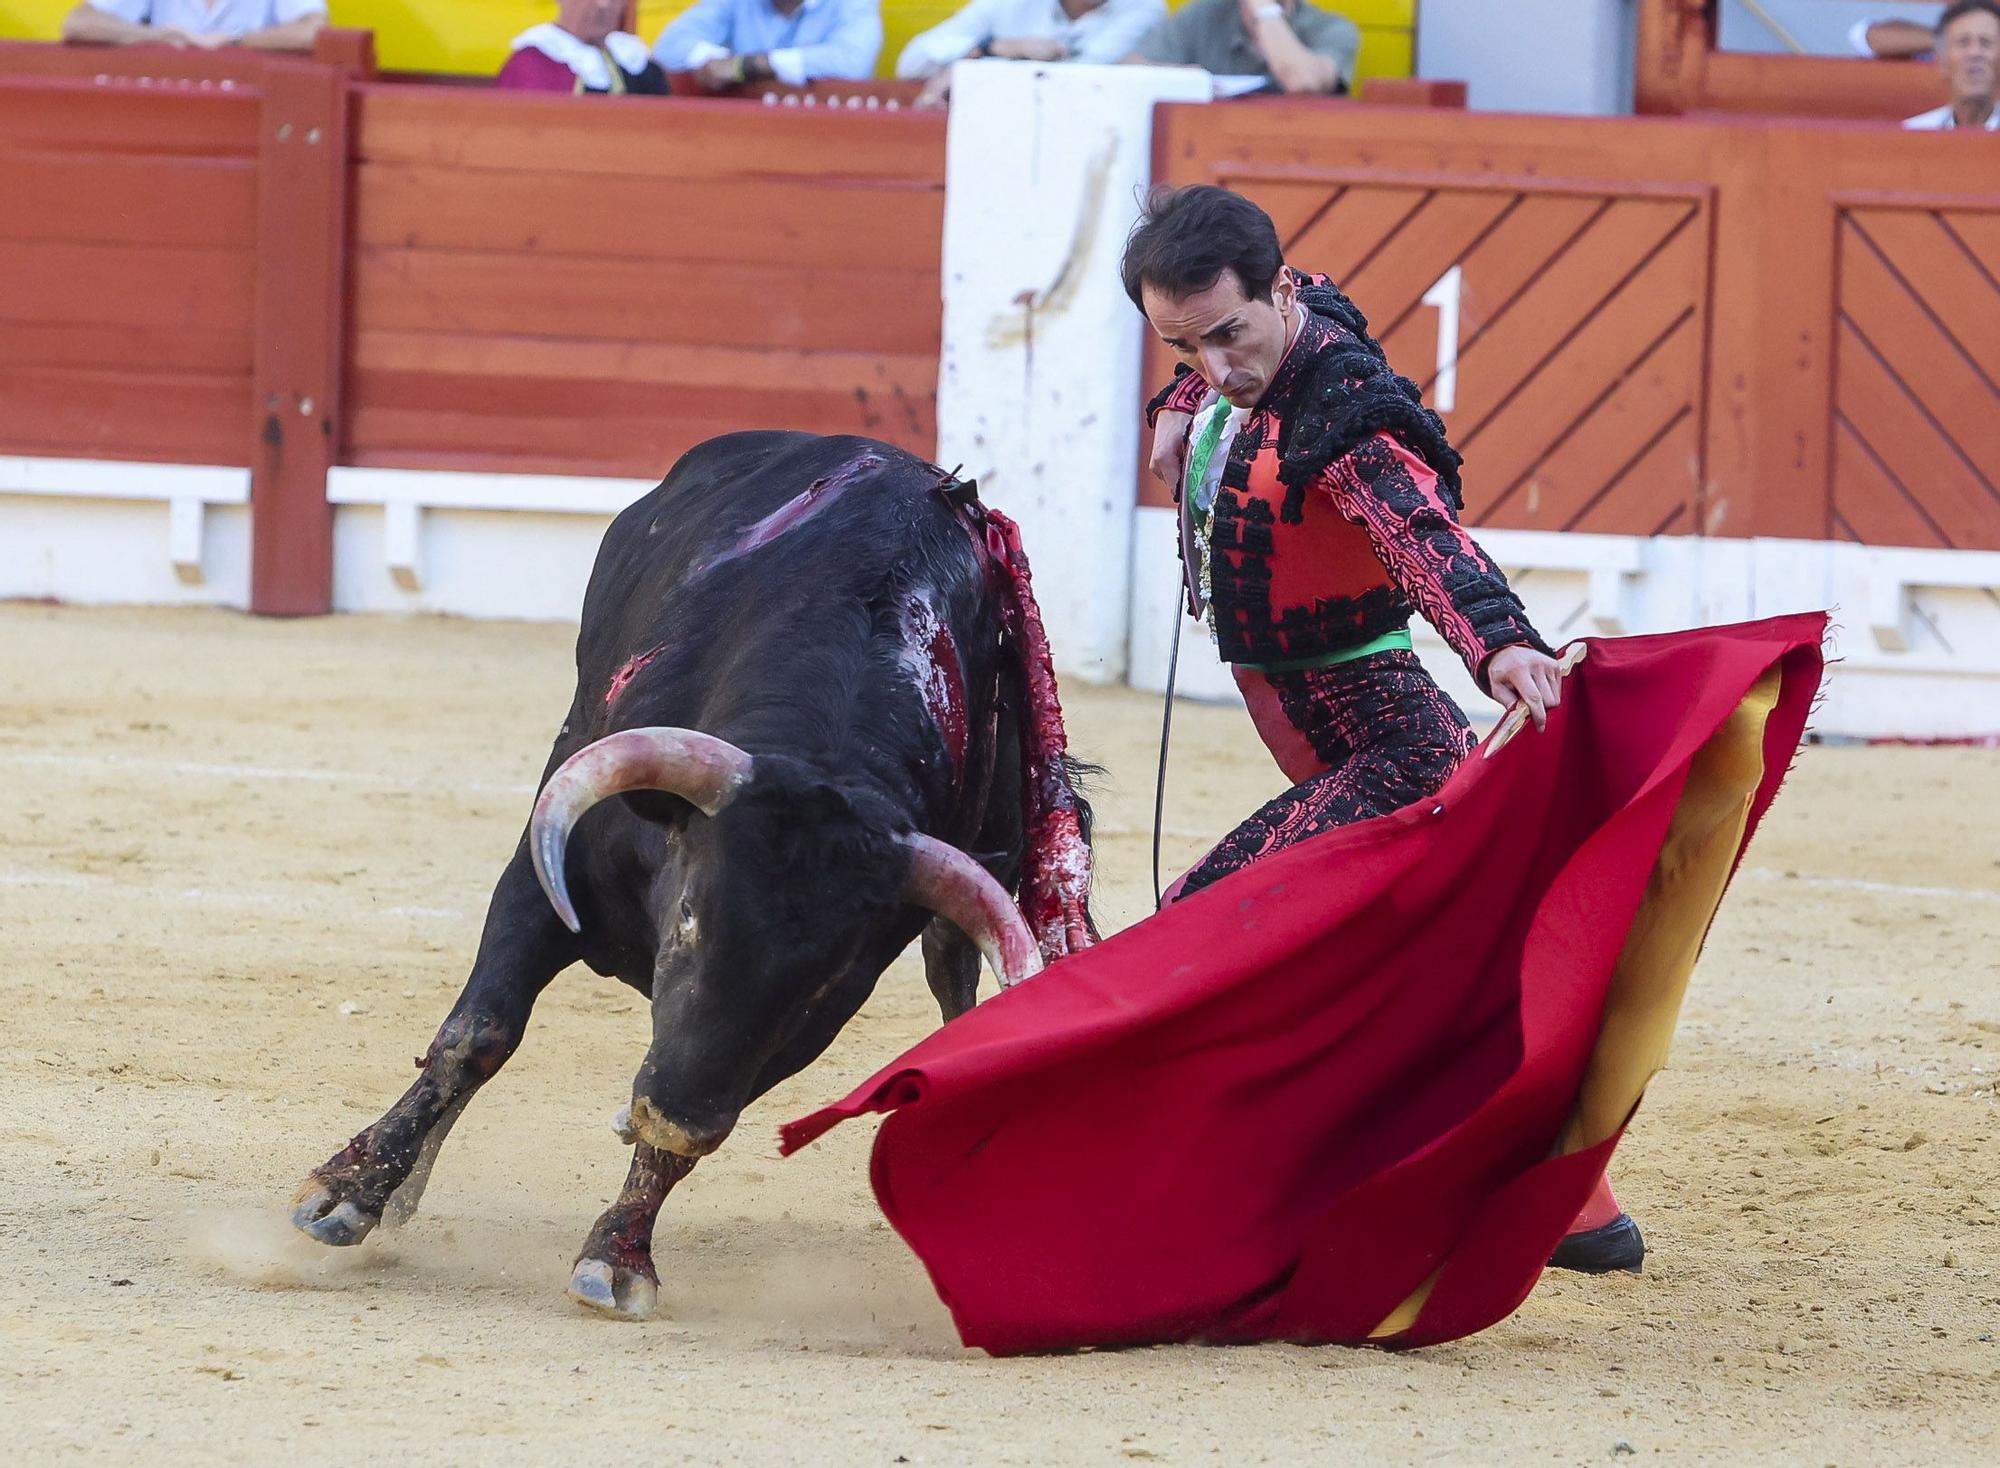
point(812, 671)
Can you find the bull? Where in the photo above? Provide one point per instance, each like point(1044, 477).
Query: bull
point(814, 719)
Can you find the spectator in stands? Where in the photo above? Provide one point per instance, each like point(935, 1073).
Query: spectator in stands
point(1101, 31)
point(726, 43)
point(1290, 45)
point(1968, 53)
point(263, 25)
point(582, 50)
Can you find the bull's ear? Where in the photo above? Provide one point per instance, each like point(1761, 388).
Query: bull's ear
point(961, 492)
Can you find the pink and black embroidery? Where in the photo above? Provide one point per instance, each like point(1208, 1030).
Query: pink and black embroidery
point(1428, 554)
point(1388, 735)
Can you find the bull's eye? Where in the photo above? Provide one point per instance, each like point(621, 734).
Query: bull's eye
point(687, 927)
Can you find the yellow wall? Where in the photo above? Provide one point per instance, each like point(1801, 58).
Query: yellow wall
point(472, 35)
point(32, 20)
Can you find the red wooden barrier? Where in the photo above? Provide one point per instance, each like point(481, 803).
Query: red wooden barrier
point(127, 254)
point(301, 278)
point(1784, 329)
point(170, 286)
point(1412, 91)
point(1731, 327)
point(527, 283)
point(544, 285)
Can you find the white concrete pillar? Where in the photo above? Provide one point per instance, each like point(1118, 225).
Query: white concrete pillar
point(1038, 384)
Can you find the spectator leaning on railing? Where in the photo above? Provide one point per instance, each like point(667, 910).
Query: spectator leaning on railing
point(1968, 54)
point(729, 42)
point(1890, 39)
point(264, 25)
point(1101, 31)
point(1291, 45)
point(582, 51)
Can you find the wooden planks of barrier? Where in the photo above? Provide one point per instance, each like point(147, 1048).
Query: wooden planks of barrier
point(538, 285)
point(127, 249)
point(1726, 326)
point(231, 259)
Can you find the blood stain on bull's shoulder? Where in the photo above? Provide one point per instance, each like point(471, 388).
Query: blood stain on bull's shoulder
point(796, 510)
point(931, 657)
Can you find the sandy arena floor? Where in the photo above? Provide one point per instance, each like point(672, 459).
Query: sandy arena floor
point(244, 864)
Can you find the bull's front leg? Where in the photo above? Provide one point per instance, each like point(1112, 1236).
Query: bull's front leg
point(379, 1176)
point(614, 1273)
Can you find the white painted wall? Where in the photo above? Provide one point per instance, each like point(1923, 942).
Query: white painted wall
point(113, 532)
point(1917, 632)
point(474, 545)
point(1573, 56)
point(1038, 384)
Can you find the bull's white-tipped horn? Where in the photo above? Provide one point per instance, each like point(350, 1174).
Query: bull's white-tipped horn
point(701, 769)
point(954, 886)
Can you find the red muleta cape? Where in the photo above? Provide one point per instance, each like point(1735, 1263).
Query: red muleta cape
point(1357, 1091)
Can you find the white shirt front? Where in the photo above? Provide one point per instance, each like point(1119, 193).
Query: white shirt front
point(1942, 118)
point(1105, 35)
point(223, 17)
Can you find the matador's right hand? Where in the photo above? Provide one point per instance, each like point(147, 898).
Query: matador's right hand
point(1169, 456)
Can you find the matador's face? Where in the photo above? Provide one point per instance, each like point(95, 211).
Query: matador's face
point(1236, 343)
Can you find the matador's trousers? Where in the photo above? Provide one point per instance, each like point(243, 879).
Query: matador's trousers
point(1358, 740)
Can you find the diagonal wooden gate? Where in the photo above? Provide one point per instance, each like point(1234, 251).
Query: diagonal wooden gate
point(1916, 402)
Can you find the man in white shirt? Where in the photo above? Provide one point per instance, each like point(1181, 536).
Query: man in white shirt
point(1101, 31)
point(727, 43)
point(1968, 53)
point(264, 25)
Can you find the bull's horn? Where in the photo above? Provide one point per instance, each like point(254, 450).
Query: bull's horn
point(954, 886)
point(701, 769)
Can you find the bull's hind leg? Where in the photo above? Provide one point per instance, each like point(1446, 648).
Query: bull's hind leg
point(380, 1175)
point(951, 964)
point(951, 960)
point(614, 1272)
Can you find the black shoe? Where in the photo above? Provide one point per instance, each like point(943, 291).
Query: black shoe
point(1603, 1250)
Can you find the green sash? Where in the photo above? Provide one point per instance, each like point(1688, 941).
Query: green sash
point(1203, 451)
point(1387, 642)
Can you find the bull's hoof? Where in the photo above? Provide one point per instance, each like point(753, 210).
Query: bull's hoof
point(609, 1289)
point(317, 1215)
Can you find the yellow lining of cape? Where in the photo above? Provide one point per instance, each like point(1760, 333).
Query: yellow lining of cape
point(1658, 958)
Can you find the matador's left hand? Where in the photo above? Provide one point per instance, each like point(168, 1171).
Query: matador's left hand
point(1519, 674)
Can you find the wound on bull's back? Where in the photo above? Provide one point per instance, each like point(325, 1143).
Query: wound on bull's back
point(798, 509)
